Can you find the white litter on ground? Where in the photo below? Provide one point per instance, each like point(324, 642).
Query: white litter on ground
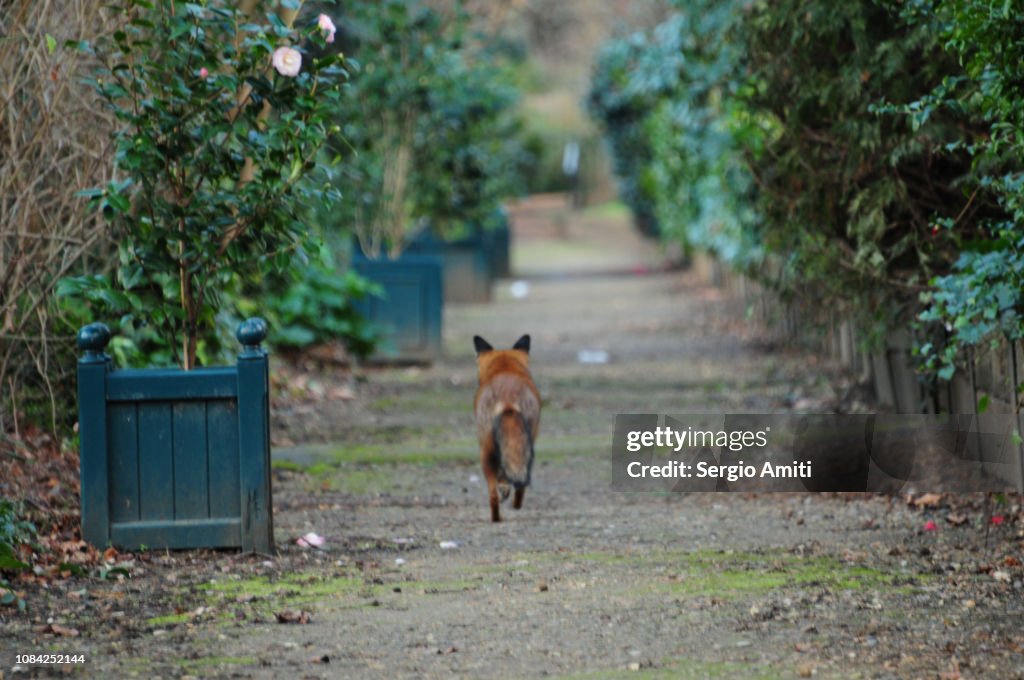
point(592, 356)
point(519, 289)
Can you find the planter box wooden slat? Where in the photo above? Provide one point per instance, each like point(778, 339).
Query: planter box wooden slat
point(122, 426)
point(156, 461)
point(192, 489)
point(163, 384)
point(499, 247)
point(471, 263)
point(222, 431)
point(410, 312)
point(206, 533)
point(175, 459)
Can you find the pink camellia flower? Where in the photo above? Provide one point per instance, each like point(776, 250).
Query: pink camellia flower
point(931, 526)
point(203, 72)
point(997, 519)
point(311, 540)
point(327, 26)
point(287, 61)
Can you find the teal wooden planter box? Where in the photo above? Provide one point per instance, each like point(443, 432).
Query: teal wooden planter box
point(498, 244)
point(468, 264)
point(172, 458)
point(410, 312)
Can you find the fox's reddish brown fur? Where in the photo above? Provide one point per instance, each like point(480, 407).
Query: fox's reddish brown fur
point(507, 408)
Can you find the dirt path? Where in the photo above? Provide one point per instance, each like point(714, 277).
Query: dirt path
point(414, 581)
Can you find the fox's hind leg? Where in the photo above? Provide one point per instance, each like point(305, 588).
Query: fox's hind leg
point(489, 464)
point(517, 501)
point(492, 493)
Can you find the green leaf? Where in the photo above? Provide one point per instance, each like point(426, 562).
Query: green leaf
point(9, 560)
point(51, 44)
point(75, 569)
point(112, 573)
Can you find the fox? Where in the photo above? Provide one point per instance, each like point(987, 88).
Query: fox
point(507, 410)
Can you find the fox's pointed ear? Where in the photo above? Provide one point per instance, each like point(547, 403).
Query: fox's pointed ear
point(523, 344)
point(481, 345)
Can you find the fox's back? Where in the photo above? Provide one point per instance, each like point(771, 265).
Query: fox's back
point(505, 383)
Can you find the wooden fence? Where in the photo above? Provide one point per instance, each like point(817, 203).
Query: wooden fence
point(991, 376)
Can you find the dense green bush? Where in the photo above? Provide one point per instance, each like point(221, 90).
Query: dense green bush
point(982, 300)
point(850, 195)
point(869, 153)
point(704, 133)
point(622, 103)
point(429, 133)
point(313, 305)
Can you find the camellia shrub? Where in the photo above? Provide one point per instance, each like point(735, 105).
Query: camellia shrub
point(221, 118)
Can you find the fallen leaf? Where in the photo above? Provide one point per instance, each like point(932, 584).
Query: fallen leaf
point(956, 519)
point(302, 617)
point(59, 630)
point(927, 500)
point(342, 393)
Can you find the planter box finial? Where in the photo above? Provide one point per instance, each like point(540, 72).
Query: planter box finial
point(251, 333)
point(93, 340)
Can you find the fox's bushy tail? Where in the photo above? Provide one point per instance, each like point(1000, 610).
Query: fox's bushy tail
point(514, 447)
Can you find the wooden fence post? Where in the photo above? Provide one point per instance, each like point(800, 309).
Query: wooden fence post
point(254, 438)
point(93, 366)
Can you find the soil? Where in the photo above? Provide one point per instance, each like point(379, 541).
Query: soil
point(413, 580)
